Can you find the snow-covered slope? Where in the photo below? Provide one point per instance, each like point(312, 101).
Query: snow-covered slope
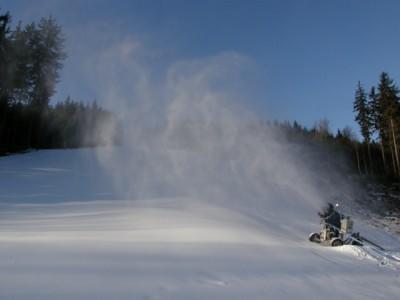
point(67, 232)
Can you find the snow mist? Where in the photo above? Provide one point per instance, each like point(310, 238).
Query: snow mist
point(188, 133)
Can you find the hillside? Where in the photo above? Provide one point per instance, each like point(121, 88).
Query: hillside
point(66, 232)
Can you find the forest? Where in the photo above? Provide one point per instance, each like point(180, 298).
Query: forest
point(31, 58)
point(377, 112)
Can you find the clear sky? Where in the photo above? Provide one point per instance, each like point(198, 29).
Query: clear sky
point(309, 54)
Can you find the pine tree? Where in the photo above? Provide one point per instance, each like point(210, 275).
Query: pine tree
point(388, 104)
point(363, 118)
point(47, 44)
point(39, 51)
point(22, 63)
point(375, 110)
point(5, 20)
point(4, 56)
point(377, 122)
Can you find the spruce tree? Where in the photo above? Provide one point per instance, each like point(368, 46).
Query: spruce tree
point(363, 118)
point(376, 112)
point(47, 44)
point(4, 55)
point(4, 79)
point(388, 103)
point(377, 122)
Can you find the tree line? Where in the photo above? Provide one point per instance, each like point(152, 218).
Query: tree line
point(31, 58)
point(377, 113)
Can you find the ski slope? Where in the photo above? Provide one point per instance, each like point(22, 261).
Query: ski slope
point(68, 232)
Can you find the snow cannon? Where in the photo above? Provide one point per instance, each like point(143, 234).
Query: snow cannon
point(336, 229)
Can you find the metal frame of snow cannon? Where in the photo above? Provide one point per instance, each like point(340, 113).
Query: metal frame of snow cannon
point(331, 235)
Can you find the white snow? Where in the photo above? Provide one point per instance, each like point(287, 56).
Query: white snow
point(67, 233)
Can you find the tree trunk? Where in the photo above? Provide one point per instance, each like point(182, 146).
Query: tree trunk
point(371, 167)
point(364, 160)
point(393, 159)
point(395, 146)
point(358, 160)
point(383, 157)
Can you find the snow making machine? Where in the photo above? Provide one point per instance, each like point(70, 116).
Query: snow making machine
point(337, 230)
point(331, 235)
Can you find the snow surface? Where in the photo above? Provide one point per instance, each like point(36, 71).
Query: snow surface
point(67, 233)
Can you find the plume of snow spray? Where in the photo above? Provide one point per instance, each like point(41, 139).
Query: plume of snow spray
point(187, 133)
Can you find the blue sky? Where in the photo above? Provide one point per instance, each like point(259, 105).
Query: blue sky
point(309, 54)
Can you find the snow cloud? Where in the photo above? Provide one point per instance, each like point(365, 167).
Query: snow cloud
point(187, 132)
